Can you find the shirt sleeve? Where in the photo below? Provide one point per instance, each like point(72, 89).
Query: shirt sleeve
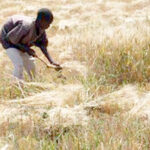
point(16, 34)
point(42, 41)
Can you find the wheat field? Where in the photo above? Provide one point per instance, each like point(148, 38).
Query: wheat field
point(101, 99)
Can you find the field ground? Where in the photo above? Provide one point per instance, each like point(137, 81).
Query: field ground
point(101, 99)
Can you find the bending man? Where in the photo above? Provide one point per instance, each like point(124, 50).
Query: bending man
point(19, 34)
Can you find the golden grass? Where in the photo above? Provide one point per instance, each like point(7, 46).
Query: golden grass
point(102, 100)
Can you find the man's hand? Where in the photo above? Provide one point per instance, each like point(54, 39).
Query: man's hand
point(58, 67)
point(55, 64)
point(32, 52)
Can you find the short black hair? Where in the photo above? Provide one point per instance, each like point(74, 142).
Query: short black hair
point(45, 15)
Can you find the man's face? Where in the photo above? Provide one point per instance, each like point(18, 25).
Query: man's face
point(44, 24)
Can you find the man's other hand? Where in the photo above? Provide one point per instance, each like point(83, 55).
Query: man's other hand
point(58, 67)
point(32, 53)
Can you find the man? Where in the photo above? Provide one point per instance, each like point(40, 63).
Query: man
point(19, 34)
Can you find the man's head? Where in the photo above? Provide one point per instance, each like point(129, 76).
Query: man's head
point(44, 18)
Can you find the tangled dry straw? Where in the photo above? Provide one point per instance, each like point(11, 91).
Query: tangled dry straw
point(66, 111)
point(104, 49)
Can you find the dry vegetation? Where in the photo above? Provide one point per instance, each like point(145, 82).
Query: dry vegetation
point(103, 102)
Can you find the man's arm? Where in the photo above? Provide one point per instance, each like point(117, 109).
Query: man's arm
point(25, 48)
point(42, 43)
point(45, 52)
point(16, 34)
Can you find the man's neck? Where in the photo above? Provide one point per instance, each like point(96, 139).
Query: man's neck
point(37, 28)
